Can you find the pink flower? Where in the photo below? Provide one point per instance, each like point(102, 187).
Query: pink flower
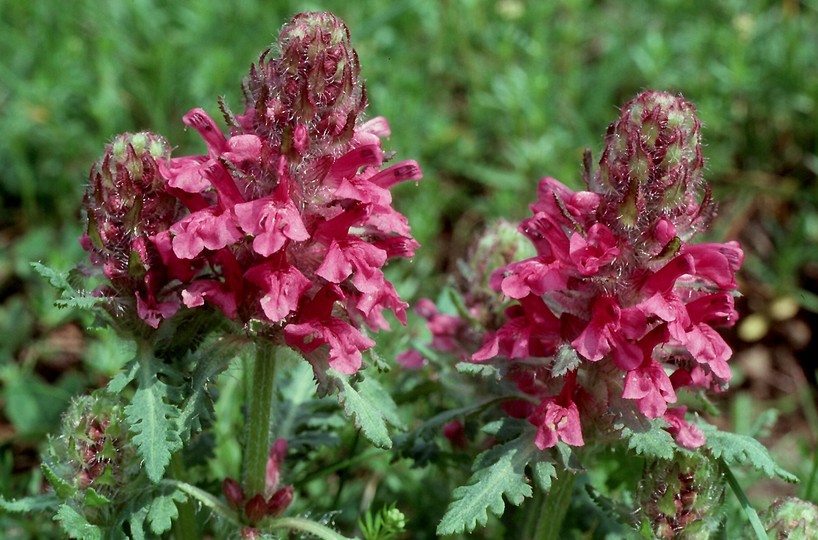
point(556, 421)
point(616, 297)
point(596, 250)
point(608, 330)
point(316, 326)
point(686, 435)
point(286, 219)
point(282, 286)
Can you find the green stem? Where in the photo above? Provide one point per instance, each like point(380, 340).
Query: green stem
point(206, 499)
point(555, 507)
point(307, 526)
point(257, 444)
point(186, 527)
point(749, 511)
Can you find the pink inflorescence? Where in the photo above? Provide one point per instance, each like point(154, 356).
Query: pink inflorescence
point(288, 218)
point(616, 311)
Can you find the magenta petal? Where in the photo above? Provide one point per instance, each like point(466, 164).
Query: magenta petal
point(685, 434)
point(717, 262)
point(554, 421)
point(205, 229)
point(282, 288)
point(214, 292)
point(199, 120)
point(271, 222)
point(243, 148)
point(336, 267)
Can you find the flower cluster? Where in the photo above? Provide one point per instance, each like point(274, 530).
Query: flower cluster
point(127, 204)
point(616, 311)
point(287, 220)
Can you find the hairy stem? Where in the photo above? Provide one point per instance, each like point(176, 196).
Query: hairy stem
point(186, 526)
point(554, 507)
point(261, 389)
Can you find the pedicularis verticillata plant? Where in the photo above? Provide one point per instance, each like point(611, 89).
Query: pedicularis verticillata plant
point(592, 323)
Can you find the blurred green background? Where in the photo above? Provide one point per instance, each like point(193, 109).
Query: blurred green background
point(488, 95)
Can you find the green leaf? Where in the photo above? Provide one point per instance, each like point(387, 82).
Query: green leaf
point(75, 525)
point(544, 472)
point(153, 421)
point(163, 511)
point(735, 449)
point(125, 376)
point(62, 489)
point(30, 504)
point(209, 361)
point(487, 371)
point(93, 499)
point(500, 472)
point(70, 297)
point(649, 439)
point(370, 405)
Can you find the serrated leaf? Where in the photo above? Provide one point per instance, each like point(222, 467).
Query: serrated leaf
point(371, 407)
point(95, 499)
point(209, 362)
point(69, 296)
point(136, 522)
point(161, 513)
point(499, 476)
point(566, 360)
point(153, 421)
point(737, 449)
point(75, 525)
point(544, 471)
point(125, 376)
point(63, 489)
point(649, 441)
point(29, 504)
point(487, 371)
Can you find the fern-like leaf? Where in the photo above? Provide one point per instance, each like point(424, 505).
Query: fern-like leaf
point(649, 439)
point(153, 420)
point(70, 297)
point(735, 449)
point(75, 525)
point(371, 406)
point(499, 476)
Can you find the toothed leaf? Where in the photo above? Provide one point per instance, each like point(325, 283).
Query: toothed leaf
point(75, 525)
point(737, 449)
point(153, 421)
point(499, 477)
point(370, 406)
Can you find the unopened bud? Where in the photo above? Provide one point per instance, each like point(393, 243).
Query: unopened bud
point(651, 167)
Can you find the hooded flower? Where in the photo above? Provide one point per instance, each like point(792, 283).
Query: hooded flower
point(616, 311)
point(291, 211)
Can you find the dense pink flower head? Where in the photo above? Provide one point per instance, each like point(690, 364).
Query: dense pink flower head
point(285, 223)
point(616, 311)
point(291, 211)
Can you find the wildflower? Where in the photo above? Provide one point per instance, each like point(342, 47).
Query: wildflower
point(290, 219)
point(126, 203)
point(616, 303)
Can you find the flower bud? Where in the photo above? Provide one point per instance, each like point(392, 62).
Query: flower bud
point(791, 518)
point(125, 204)
point(255, 509)
point(651, 167)
point(681, 498)
point(233, 493)
point(280, 501)
point(92, 449)
point(309, 98)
